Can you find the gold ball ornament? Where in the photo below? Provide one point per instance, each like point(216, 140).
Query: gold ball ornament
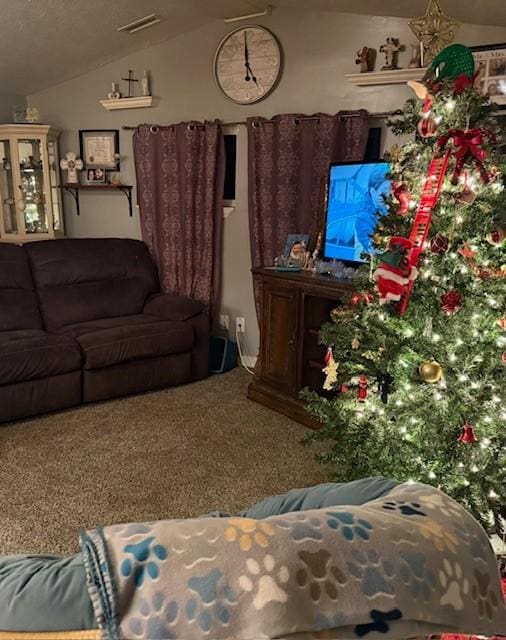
point(430, 371)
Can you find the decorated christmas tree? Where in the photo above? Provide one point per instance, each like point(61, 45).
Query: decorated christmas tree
point(416, 359)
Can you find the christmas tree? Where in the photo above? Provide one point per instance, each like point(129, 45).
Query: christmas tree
point(416, 359)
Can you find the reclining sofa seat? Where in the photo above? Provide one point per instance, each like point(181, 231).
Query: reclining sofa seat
point(83, 320)
point(104, 294)
point(39, 371)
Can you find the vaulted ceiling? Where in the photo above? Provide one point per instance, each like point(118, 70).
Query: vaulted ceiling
point(44, 42)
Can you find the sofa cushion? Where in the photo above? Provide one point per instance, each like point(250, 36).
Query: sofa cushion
point(114, 340)
point(84, 279)
point(18, 302)
point(30, 354)
point(170, 307)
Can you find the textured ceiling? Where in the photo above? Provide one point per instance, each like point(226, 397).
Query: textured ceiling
point(491, 12)
point(45, 42)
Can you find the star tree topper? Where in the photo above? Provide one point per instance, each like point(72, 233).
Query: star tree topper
point(434, 30)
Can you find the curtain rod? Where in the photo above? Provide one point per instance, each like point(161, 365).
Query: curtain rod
point(379, 114)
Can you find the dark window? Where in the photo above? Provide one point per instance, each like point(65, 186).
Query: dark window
point(230, 162)
point(373, 147)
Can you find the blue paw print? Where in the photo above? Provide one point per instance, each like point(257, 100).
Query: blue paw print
point(214, 607)
point(140, 563)
point(374, 573)
point(348, 524)
point(405, 508)
point(419, 579)
point(155, 618)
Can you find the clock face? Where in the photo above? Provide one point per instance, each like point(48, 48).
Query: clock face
point(247, 64)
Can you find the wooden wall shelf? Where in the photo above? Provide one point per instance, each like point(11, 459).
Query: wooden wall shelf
point(74, 190)
point(397, 76)
point(127, 103)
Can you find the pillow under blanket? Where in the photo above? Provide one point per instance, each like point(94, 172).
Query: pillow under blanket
point(412, 563)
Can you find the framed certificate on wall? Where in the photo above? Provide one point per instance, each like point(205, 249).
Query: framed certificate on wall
point(490, 63)
point(99, 148)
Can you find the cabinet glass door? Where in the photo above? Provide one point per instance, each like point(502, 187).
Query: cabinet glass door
point(54, 182)
point(32, 200)
point(7, 195)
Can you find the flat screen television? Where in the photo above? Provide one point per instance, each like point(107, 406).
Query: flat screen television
point(354, 198)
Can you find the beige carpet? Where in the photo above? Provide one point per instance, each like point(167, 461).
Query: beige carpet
point(173, 453)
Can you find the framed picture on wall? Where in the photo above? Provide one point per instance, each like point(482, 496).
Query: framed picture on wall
point(490, 60)
point(99, 148)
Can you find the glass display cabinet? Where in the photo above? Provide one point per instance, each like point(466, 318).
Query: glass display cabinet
point(30, 200)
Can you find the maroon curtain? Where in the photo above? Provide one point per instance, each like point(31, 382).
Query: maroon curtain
point(180, 173)
point(288, 162)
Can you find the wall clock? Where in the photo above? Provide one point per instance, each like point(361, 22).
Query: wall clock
point(247, 64)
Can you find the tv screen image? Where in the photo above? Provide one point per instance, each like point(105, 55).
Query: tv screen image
point(355, 196)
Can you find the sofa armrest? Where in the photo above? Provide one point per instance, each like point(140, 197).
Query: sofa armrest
point(169, 307)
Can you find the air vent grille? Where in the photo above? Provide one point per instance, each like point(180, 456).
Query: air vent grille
point(141, 23)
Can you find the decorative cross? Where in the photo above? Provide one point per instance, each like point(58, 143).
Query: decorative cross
point(72, 164)
point(390, 49)
point(130, 79)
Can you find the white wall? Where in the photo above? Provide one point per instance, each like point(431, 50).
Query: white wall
point(319, 49)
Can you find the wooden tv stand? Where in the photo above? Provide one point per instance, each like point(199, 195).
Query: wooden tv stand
point(294, 307)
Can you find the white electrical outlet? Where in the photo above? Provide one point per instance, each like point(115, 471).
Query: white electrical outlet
point(225, 321)
point(240, 324)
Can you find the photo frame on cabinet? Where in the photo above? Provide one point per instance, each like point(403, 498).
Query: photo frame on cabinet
point(295, 247)
point(490, 60)
point(99, 148)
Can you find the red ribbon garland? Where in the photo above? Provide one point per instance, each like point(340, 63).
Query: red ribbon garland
point(468, 143)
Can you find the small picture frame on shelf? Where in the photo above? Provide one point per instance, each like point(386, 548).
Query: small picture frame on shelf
point(99, 148)
point(95, 176)
point(490, 63)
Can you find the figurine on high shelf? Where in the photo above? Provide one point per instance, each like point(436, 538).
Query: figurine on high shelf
point(366, 58)
point(391, 50)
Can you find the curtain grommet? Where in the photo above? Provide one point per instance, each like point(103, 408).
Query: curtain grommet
point(153, 129)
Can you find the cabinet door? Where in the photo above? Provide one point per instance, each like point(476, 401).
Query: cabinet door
point(9, 223)
point(33, 186)
point(54, 183)
point(279, 337)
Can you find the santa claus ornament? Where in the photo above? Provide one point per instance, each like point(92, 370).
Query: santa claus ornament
point(394, 272)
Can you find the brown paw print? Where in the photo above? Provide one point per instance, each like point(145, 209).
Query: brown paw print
point(481, 593)
point(319, 575)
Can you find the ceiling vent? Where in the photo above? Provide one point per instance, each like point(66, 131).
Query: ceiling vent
point(142, 23)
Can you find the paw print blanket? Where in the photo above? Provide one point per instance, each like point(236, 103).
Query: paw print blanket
point(412, 563)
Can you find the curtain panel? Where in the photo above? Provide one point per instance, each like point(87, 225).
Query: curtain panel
point(288, 162)
point(180, 176)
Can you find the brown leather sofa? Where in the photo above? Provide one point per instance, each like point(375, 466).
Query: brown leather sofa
point(84, 320)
